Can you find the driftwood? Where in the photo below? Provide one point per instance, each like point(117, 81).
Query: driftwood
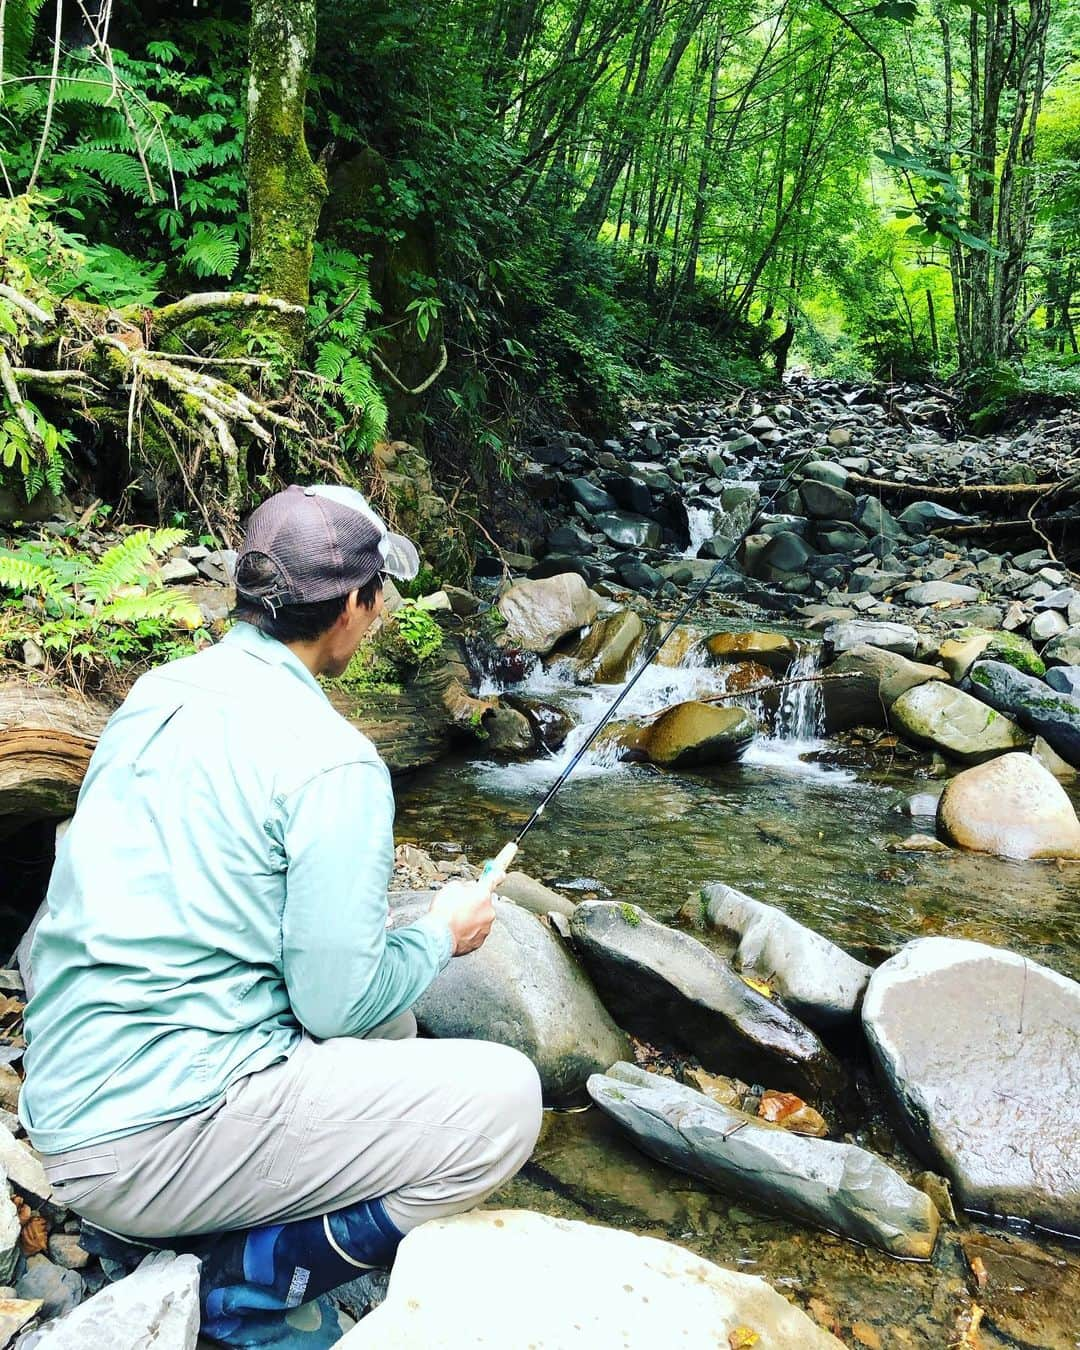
point(46, 739)
point(988, 492)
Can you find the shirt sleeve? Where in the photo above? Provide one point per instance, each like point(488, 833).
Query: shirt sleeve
point(344, 973)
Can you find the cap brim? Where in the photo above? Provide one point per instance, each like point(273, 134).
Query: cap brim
point(399, 556)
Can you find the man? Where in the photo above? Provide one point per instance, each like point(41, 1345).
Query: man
point(219, 1042)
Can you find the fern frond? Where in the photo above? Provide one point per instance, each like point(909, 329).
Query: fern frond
point(212, 251)
point(17, 574)
point(163, 604)
point(118, 169)
point(330, 360)
point(125, 563)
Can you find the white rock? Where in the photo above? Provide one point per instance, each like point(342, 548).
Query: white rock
point(157, 1305)
point(555, 1283)
point(22, 1167)
point(10, 1228)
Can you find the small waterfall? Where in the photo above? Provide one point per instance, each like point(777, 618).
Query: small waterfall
point(801, 714)
point(702, 526)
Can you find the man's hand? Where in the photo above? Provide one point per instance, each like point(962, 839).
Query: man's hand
point(466, 908)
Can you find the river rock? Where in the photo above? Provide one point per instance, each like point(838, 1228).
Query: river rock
point(521, 988)
point(977, 1048)
point(592, 498)
point(10, 1230)
point(1012, 807)
point(607, 650)
point(539, 613)
point(560, 1283)
point(774, 650)
point(836, 1186)
point(1064, 649)
point(59, 1290)
point(874, 679)
point(156, 1305)
point(667, 987)
point(692, 735)
point(1048, 626)
point(1031, 1294)
point(1065, 679)
point(15, 1313)
point(534, 896)
point(1052, 761)
point(628, 530)
point(827, 502)
point(892, 637)
point(825, 471)
point(22, 1167)
point(509, 732)
point(817, 980)
point(921, 517)
point(1052, 715)
point(939, 592)
point(945, 718)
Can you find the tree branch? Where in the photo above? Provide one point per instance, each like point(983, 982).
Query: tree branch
point(167, 318)
point(420, 388)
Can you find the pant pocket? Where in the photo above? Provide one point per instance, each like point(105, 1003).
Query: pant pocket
point(74, 1179)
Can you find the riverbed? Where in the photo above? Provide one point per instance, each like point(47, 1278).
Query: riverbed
point(804, 823)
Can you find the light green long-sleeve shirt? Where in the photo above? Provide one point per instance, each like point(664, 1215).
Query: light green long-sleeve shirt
point(221, 887)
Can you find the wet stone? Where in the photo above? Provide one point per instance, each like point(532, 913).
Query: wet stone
point(977, 1049)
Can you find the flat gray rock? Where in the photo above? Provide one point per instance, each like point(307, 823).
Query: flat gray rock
point(157, 1305)
point(817, 980)
point(836, 1186)
point(978, 1049)
point(943, 717)
point(669, 988)
point(521, 988)
point(893, 637)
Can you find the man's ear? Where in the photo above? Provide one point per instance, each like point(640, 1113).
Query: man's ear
point(352, 604)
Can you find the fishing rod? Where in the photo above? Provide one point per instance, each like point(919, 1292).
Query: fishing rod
point(507, 853)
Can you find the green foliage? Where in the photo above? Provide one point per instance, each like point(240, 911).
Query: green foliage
point(424, 583)
point(417, 633)
point(95, 612)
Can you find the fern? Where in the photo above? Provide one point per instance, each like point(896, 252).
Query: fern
point(359, 390)
point(163, 604)
point(125, 563)
point(19, 574)
point(115, 168)
point(330, 361)
point(212, 251)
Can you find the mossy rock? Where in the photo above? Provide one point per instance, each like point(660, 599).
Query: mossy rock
point(692, 734)
point(1011, 648)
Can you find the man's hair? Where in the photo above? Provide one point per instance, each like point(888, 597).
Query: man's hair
point(292, 623)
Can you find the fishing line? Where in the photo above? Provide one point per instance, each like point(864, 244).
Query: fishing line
point(506, 855)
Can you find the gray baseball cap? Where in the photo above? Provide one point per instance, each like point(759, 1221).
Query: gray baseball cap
point(320, 542)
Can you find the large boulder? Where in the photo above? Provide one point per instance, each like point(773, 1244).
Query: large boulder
point(559, 1283)
point(667, 987)
point(977, 1048)
point(891, 637)
point(607, 650)
point(1011, 806)
point(157, 1305)
point(629, 531)
point(817, 980)
point(840, 1187)
point(827, 502)
point(1064, 650)
point(539, 613)
point(945, 718)
point(775, 650)
point(521, 988)
point(864, 682)
point(691, 735)
point(1045, 711)
point(959, 652)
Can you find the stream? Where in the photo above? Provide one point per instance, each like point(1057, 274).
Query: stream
point(802, 823)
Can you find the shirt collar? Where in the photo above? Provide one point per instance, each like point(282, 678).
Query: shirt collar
point(274, 653)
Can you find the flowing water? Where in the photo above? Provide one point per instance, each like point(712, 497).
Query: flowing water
point(802, 823)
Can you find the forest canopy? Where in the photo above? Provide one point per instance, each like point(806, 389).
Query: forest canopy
point(239, 242)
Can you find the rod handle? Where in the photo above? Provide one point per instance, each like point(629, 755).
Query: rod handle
point(500, 862)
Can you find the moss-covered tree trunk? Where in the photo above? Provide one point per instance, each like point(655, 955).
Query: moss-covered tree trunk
point(286, 188)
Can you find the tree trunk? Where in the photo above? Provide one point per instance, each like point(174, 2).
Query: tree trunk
point(286, 188)
point(46, 739)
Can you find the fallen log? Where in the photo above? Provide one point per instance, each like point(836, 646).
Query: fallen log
point(47, 736)
point(1068, 488)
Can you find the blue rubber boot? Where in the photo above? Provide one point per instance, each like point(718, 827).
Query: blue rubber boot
point(265, 1286)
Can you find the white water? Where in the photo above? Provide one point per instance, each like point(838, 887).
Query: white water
point(702, 526)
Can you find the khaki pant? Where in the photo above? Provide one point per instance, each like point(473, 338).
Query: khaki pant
point(432, 1127)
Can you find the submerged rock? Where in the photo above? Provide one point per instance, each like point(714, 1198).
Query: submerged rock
point(521, 988)
point(539, 613)
point(977, 1048)
point(157, 1305)
point(836, 1186)
point(562, 1283)
point(1049, 713)
point(668, 987)
point(817, 980)
point(694, 734)
point(945, 718)
point(1011, 806)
